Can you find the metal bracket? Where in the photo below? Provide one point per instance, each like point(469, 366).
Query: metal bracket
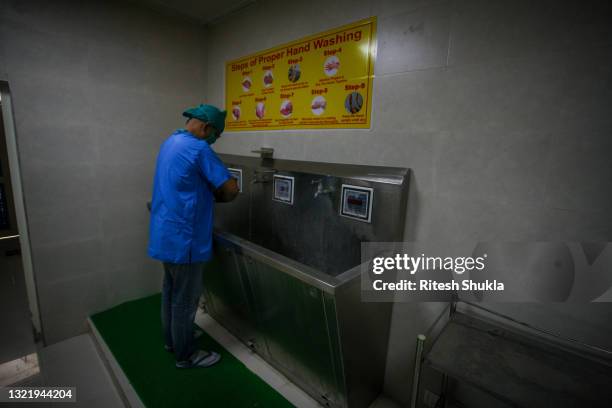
point(264, 152)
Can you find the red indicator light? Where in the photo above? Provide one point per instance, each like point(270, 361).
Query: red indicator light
point(354, 201)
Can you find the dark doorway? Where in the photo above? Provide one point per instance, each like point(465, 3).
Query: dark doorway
point(17, 343)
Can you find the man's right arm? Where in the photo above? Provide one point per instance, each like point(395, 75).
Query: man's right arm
point(225, 187)
point(227, 192)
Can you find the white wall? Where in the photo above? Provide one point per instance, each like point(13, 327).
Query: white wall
point(96, 87)
point(501, 108)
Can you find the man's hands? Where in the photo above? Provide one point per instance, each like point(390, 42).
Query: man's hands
point(227, 192)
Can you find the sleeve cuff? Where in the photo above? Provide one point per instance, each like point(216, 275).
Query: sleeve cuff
point(223, 180)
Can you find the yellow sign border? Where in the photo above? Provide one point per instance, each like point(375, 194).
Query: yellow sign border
point(372, 47)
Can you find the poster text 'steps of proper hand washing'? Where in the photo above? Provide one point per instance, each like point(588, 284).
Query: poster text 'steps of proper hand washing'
point(318, 82)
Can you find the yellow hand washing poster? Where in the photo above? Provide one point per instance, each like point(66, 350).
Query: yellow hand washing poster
point(319, 82)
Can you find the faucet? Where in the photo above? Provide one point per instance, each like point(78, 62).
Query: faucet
point(259, 176)
point(264, 152)
point(320, 189)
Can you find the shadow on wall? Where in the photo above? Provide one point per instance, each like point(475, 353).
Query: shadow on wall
point(410, 320)
point(412, 215)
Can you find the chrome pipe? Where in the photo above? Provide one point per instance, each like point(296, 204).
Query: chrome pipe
point(418, 361)
point(9, 237)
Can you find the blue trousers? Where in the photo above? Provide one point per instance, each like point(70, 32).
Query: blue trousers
point(181, 292)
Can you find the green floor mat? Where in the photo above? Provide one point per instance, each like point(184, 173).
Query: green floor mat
point(133, 333)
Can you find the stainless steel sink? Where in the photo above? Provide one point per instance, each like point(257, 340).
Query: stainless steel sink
point(285, 277)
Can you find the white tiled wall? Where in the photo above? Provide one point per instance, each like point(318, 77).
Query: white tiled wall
point(96, 86)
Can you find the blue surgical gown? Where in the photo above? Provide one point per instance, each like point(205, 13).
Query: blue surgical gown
point(186, 174)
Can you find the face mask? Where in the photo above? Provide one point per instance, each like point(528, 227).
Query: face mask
point(213, 137)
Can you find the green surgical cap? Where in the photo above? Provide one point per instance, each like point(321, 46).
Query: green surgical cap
point(209, 114)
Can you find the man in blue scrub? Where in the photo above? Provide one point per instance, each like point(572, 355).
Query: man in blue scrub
point(189, 178)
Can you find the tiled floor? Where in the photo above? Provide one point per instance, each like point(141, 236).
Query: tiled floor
point(76, 362)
